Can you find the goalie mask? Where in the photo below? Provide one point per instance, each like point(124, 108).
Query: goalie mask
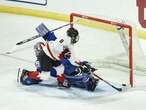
point(73, 34)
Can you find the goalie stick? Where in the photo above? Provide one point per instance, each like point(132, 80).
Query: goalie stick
point(117, 88)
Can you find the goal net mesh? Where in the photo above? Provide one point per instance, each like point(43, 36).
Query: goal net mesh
point(112, 46)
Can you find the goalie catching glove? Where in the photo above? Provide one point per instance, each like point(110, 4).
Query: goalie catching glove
point(85, 65)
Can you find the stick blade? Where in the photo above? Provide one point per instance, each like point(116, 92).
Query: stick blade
point(42, 29)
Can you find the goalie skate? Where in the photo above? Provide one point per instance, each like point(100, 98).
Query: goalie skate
point(28, 77)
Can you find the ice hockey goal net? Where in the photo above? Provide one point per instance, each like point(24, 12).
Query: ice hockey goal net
point(125, 33)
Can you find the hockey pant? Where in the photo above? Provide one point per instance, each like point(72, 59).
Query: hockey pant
point(44, 62)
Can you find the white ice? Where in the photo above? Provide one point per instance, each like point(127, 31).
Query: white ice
point(13, 96)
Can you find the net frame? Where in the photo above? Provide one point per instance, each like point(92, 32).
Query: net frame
point(113, 23)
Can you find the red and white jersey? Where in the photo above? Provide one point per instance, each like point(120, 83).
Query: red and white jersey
point(53, 49)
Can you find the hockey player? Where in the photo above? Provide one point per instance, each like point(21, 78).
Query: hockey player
point(50, 54)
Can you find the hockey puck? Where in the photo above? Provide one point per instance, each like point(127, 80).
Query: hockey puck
point(124, 85)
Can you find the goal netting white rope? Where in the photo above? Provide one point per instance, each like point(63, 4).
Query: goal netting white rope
point(109, 44)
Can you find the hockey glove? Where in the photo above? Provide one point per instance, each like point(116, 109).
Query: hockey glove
point(65, 54)
point(45, 32)
point(50, 36)
point(84, 63)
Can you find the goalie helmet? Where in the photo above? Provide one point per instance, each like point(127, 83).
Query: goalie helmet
point(73, 34)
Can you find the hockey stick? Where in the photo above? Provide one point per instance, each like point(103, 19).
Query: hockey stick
point(27, 40)
point(118, 89)
point(37, 36)
point(32, 38)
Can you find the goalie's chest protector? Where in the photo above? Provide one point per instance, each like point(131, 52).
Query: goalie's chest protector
point(53, 48)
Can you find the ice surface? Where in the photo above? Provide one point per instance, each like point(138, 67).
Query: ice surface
point(14, 28)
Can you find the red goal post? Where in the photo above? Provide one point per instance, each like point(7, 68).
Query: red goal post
point(126, 26)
